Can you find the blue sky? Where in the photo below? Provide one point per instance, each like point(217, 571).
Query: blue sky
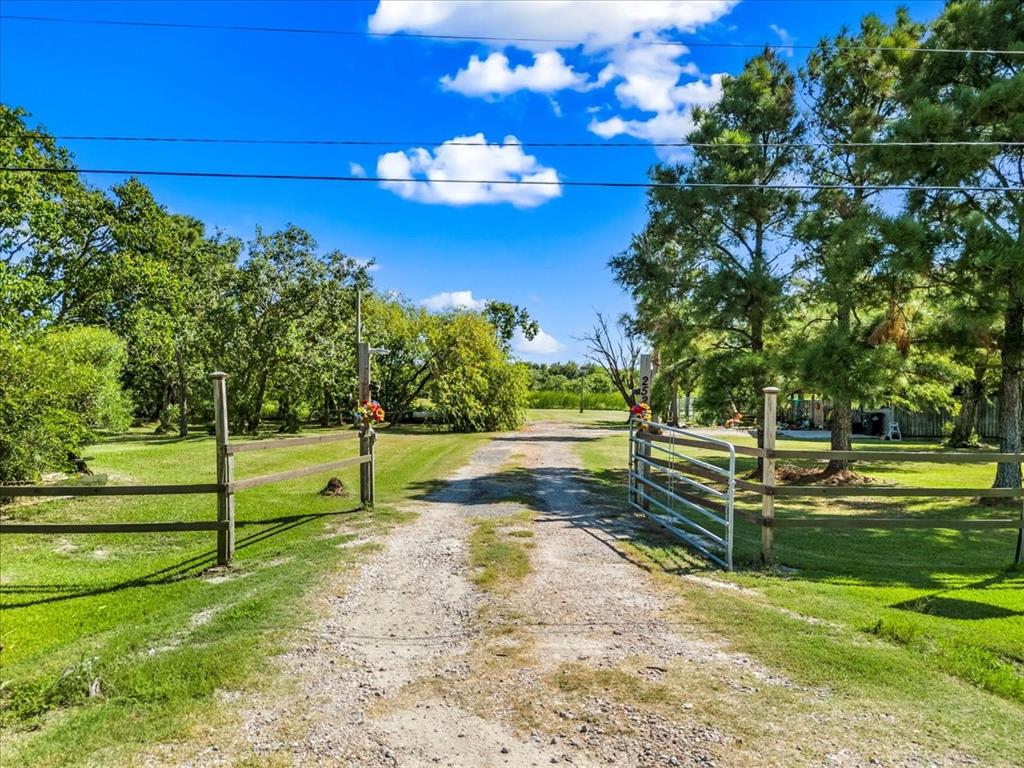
point(543, 247)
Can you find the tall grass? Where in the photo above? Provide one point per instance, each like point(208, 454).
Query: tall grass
point(592, 401)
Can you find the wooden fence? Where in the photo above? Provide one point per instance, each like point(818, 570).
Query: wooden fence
point(225, 487)
point(939, 423)
point(768, 490)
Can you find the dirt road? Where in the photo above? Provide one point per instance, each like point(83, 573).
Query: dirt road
point(581, 661)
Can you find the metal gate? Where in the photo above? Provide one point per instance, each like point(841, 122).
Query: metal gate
point(662, 485)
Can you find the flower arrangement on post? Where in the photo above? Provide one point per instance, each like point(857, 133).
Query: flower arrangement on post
point(368, 413)
point(642, 413)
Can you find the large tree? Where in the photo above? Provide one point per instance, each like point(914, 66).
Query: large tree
point(721, 251)
point(977, 97)
point(852, 83)
point(272, 324)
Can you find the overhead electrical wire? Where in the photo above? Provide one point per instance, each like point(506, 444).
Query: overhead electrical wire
point(547, 144)
point(507, 182)
point(560, 42)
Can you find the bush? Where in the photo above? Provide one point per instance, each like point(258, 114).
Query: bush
point(474, 384)
point(57, 389)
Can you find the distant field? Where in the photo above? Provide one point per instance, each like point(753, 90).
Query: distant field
point(951, 597)
point(591, 400)
point(112, 642)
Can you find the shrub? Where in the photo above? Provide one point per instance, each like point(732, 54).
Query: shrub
point(57, 389)
point(474, 384)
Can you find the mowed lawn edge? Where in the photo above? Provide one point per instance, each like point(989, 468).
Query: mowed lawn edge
point(926, 625)
point(113, 643)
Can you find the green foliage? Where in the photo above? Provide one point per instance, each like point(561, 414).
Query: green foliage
point(569, 377)
point(507, 318)
point(473, 384)
point(707, 270)
point(458, 360)
point(57, 389)
point(841, 349)
point(287, 326)
point(981, 248)
point(402, 374)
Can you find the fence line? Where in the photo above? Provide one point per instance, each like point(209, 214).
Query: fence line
point(768, 490)
point(290, 442)
point(106, 490)
point(225, 487)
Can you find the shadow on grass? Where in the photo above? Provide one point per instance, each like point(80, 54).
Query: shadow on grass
point(191, 567)
point(953, 608)
point(154, 439)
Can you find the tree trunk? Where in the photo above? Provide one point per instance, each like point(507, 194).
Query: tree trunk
point(163, 415)
point(757, 346)
point(325, 414)
point(842, 434)
point(256, 414)
point(1008, 475)
point(970, 398)
point(182, 396)
point(841, 428)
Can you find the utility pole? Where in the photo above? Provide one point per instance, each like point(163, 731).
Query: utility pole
point(359, 315)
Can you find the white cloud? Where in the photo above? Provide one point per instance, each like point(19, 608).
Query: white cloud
point(784, 36)
point(356, 170)
point(368, 264)
point(596, 25)
point(541, 344)
point(453, 300)
point(670, 123)
point(648, 75)
point(621, 37)
point(505, 163)
point(494, 77)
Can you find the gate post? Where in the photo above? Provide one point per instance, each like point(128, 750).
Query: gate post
point(771, 396)
point(366, 435)
point(225, 471)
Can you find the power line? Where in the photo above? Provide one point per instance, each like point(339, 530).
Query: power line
point(506, 182)
point(560, 42)
point(548, 144)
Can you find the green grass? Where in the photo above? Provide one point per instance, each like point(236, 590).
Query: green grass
point(933, 618)
point(113, 642)
point(499, 551)
point(603, 401)
point(598, 419)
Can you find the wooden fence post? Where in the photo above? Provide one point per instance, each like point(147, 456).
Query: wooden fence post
point(771, 396)
point(366, 437)
point(225, 471)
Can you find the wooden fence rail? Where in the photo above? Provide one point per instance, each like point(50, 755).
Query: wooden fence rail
point(12, 491)
point(770, 491)
point(767, 491)
point(289, 442)
point(225, 487)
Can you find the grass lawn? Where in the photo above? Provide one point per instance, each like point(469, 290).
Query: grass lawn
point(929, 620)
point(595, 418)
point(114, 642)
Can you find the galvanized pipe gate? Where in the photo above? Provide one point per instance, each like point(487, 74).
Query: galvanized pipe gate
point(661, 487)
